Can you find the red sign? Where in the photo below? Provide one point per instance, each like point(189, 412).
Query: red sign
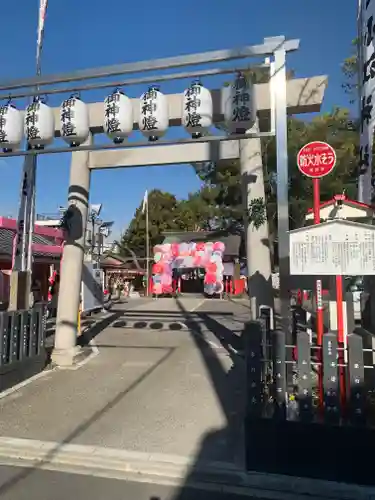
point(316, 159)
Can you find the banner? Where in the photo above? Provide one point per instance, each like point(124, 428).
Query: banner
point(26, 213)
point(366, 81)
point(20, 254)
point(145, 202)
point(42, 17)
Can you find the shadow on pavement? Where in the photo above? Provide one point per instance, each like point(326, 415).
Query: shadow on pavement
point(26, 473)
point(230, 391)
point(92, 331)
point(229, 387)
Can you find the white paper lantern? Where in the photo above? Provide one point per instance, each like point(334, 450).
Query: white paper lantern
point(197, 109)
point(74, 121)
point(118, 116)
point(39, 125)
point(11, 127)
point(153, 114)
point(239, 108)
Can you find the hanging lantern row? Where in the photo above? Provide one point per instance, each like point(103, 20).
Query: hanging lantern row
point(38, 123)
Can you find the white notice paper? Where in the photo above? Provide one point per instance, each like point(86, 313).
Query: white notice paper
point(332, 248)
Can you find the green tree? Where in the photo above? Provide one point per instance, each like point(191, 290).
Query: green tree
point(224, 177)
point(162, 210)
point(198, 212)
point(166, 213)
point(350, 68)
point(334, 128)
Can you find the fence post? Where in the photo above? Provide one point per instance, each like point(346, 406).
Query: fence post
point(4, 330)
point(14, 336)
point(357, 398)
point(299, 321)
point(330, 379)
point(24, 328)
point(253, 356)
point(33, 333)
point(266, 322)
point(304, 376)
point(279, 373)
point(41, 312)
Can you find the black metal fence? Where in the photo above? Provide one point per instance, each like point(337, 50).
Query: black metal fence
point(309, 408)
point(22, 344)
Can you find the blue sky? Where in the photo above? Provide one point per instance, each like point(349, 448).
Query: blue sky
point(82, 34)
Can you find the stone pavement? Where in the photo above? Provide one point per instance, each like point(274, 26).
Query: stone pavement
point(164, 381)
point(22, 484)
point(160, 404)
point(89, 321)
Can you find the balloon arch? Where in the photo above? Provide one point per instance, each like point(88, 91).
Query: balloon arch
point(170, 256)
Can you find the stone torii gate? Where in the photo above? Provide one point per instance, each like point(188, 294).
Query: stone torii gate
point(304, 95)
point(273, 101)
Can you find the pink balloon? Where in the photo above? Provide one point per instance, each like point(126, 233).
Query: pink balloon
point(167, 289)
point(166, 257)
point(197, 261)
point(210, 278)
point(166, 279)
point(157, 268)
point(211, 267)
point(166, 247)
point(219, 246)
point(174, 249)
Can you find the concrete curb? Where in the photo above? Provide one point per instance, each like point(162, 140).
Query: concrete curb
point(162, 469)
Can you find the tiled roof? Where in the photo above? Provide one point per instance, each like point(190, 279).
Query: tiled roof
point(43, 240)
point(6, 242)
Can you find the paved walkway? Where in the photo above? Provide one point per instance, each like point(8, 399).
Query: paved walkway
point(160, 403)
point(166, 379)
point(22, 484)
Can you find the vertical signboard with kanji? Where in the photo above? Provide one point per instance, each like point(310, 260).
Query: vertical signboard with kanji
point(366, 34)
